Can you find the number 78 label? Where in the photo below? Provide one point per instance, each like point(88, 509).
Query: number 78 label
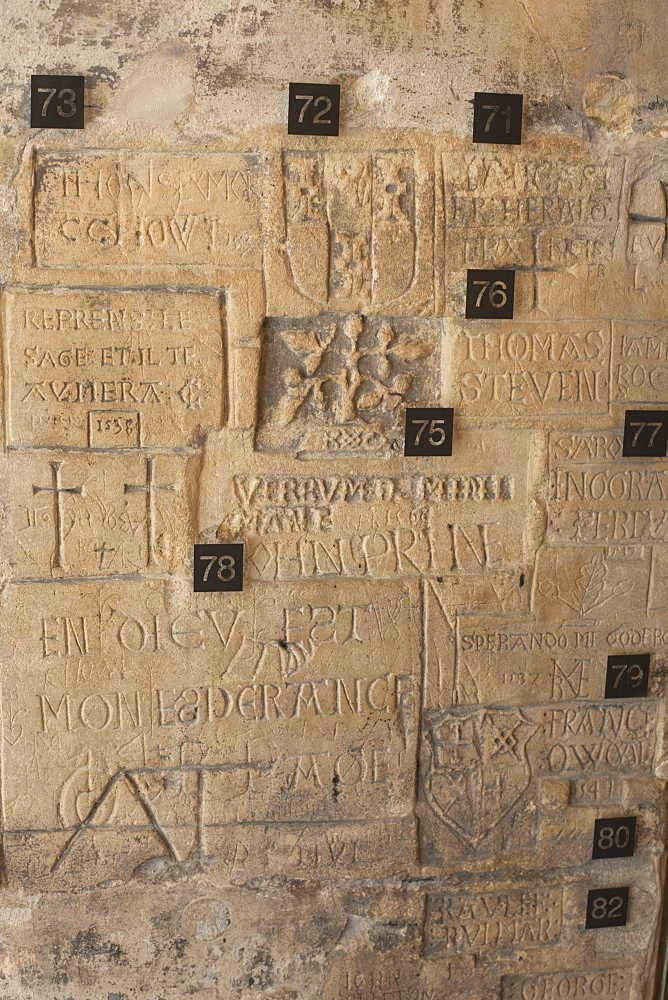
point(218, 568)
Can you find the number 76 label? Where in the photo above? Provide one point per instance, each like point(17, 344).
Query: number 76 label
point(489, 294)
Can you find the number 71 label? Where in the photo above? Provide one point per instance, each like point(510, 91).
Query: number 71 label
point(429, 431)
point(497, 118)
point(218, 567)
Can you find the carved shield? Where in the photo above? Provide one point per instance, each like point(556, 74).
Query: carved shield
point(350, 226)
point(307, 229)
point(478, 769)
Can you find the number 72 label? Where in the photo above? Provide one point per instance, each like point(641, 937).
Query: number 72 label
point(313, 109)
point(218, 568)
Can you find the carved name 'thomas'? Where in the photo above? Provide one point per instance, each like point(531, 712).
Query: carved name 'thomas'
point(96, 208)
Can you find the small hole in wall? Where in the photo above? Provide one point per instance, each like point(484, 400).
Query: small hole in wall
point(521, 579)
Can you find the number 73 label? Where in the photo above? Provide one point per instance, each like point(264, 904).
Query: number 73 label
point(429, 431)
point(56, 101)
point(218, 567)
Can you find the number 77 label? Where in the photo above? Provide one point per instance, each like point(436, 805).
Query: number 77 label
point(645, 434)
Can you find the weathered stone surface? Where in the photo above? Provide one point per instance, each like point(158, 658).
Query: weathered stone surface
point(374, 773)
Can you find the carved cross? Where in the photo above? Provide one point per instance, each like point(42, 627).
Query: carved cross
point(58, 490)
point(149, 488)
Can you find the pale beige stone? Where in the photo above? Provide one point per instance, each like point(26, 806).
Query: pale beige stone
point(374, 774)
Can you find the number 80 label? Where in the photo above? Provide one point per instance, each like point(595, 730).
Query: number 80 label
point(218, 567)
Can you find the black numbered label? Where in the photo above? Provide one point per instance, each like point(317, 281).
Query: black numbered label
point(627, 675)
point(56, 101)
point(489, 294)
point(218, 567)
point(607, 907)
point(497, 118)
point(645, 434)
point(614, 838)
point(429, 431)
point(313, 109)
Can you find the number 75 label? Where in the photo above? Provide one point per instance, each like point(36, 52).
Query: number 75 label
point(429, 431)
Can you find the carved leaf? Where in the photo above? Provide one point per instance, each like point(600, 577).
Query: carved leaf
point(590, 582)
point(412, 349)
point(385, 334)
point(302, 342)
point(372, 397)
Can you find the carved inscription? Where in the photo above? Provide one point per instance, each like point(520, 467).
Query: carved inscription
point(604, 984)
point(640, 362)
point(539, 368)
point(479, 768)
point(113, 369)
point(599, 498)
point(105, 208)
point(280, 706)
point(480, 923)
point(369, 525)
point(351, 226)
point(534, 213)
point(77, 517)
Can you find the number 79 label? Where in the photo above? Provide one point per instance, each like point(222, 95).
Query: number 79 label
point(627, 675)
point(428, 431)
point(218, 568)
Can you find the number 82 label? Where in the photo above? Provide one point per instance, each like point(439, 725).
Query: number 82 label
point(218, 568)
point(607, 907)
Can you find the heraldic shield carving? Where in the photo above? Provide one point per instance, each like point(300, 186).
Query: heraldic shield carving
point(478, 769)
point(350, 226)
